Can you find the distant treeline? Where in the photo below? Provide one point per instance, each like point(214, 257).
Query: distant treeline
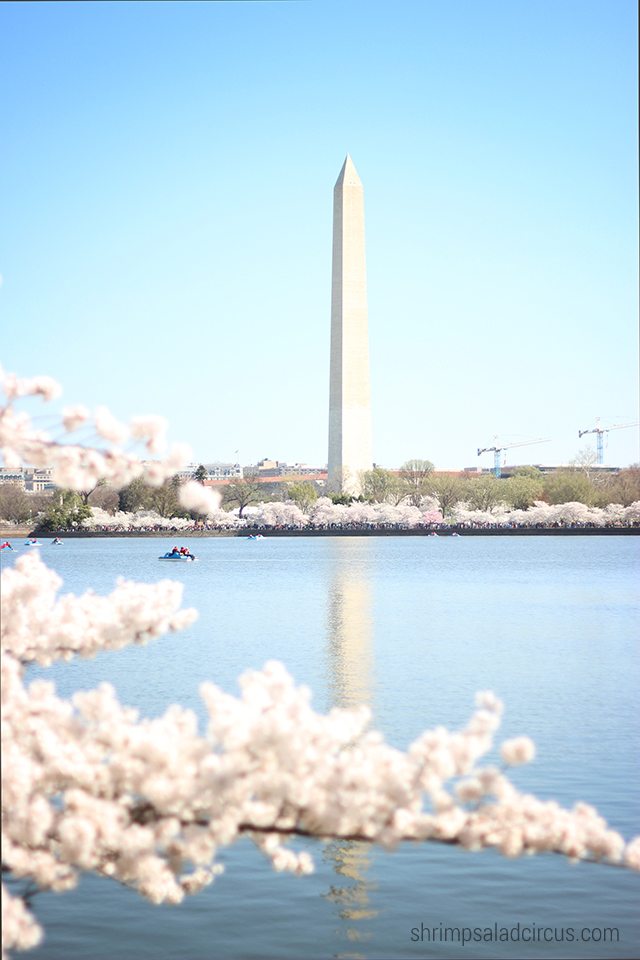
point(416, 484)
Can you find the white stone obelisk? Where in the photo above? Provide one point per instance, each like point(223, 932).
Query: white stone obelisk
point(350, 451)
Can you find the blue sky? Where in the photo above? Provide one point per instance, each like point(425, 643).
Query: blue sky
point(166, 217)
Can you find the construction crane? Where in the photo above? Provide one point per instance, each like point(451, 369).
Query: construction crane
point(497, 468)
point(600, 432)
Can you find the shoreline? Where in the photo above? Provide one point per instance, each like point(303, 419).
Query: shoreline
point(270, 532)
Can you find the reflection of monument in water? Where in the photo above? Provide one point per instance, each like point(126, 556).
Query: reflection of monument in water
point(351, 861)
point(350, 669)
point(350, 624)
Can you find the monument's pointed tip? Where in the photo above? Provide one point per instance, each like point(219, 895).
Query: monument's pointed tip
point(348, 174)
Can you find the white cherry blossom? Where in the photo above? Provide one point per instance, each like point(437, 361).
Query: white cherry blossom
point(89, 785)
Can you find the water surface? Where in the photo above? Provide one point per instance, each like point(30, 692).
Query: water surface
point(413, 627)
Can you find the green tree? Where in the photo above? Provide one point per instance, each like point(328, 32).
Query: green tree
point(241, 493)
point(447, 490)
point(135, 496)
point(67, 510)
point(522, 491)
point(303, 494)
point(569, 486)
point(534, 473)
point(201, 474)
point(345, 499)
point(164, 500)
point(484, 493)
point(380, 485)
point(139, 495)
point(413, 477)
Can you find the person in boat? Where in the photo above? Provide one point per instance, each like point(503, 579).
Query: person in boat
point(6, 545)
point(56, 540)
point(175, 552)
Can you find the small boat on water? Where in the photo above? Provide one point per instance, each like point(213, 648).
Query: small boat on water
point(178, 556)
point(57, 542)
point(32, 543)
point(255, 536)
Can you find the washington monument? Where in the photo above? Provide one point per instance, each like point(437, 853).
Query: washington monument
point(349, 393)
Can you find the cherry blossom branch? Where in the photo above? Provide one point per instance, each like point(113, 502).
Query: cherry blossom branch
point(78, 467)
point(89, 785)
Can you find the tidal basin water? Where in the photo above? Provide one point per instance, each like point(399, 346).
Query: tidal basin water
point(413, 627)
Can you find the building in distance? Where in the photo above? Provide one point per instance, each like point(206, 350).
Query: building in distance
point(217, 470)
point(29, 479)
point(268, 469)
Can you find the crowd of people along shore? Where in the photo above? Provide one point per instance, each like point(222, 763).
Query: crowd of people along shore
point(443, 528)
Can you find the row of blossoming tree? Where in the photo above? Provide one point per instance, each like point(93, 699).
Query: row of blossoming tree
point(324, 514)
point(88, 785)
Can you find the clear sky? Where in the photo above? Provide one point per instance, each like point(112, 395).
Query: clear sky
point(167, 174)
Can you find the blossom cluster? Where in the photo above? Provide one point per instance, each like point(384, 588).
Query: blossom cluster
point(142, 520)
point(79, 466)
point(88, 784)
point(325, 514)
point(542, 514)
point(265, 515)
point(39, 627)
